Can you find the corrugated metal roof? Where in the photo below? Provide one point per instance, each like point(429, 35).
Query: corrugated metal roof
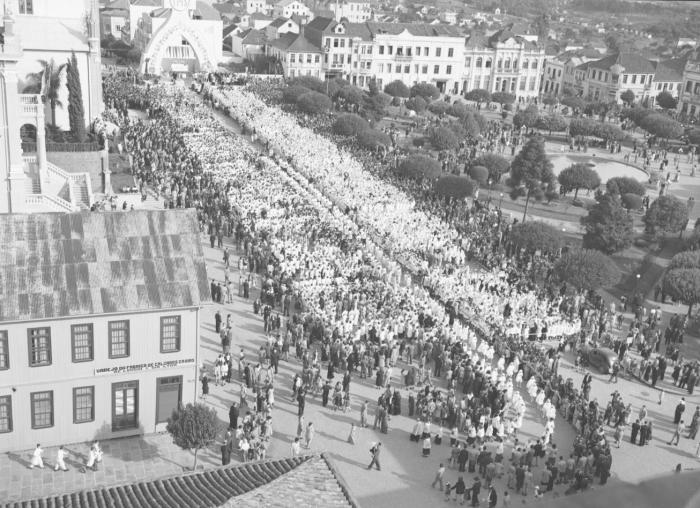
point(55, 265)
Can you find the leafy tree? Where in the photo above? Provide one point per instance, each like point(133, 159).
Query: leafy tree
point(612, 43)
point(586, 269)
point(578, 176)
point(636, 113)
point(503, 98)
point(541, 27)
point(573, 102)
point(291, 93)
point(314, 103)
point(455, 187)
point(496, 165)
point(478, 95)
point(420, 166)
point(351, 94)
point(685, 259)
point(600, 108)
point(310, 82)
point(372, 87)
point(608, 131)
point(473, 123)
point(443, 138)
point(549, 100)
point(425, 90)
point(350, 125)
point(609, 228)
point(48, 82)
point(693, 136)
point(552, 123)
point(666, 100)
point(417, 104)
point(439, 107)
point(76, 111)
point(375, 105)
point(662, 126)
point(371, 139)
point(581, 127)
point(667, 214)
point(534, 235)
point(527, 117)
point(397, 88)
point(531, 172)
point(479, 174)
point(334, 86)
point(625, 185)
point(627, 97)
point(683, 285)
point(631, 201)
point(193, 427)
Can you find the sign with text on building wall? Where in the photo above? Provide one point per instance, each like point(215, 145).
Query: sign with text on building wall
point(123, 369)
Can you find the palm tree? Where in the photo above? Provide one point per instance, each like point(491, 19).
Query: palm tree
point(48, 83)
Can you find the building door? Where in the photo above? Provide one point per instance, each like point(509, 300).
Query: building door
point(168, 397)
point(125, 405)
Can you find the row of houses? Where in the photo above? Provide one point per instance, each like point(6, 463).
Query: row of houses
point(410, 52)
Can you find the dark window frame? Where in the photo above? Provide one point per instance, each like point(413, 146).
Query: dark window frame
point(6, 400)
point(178, 339)
point(77, 420)
point(32, 397)
point(30, 336)
point(91, 345)
point(111, 338)
point(4, 350)
point(123, 386)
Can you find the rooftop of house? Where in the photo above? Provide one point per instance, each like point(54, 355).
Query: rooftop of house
point(295, 42)
point(630, 62)
point(301, 481)
point(415, 29)
point(147, 3)
point(60, 265)
point(279, 22)
point(670, 70)
point(252, 37)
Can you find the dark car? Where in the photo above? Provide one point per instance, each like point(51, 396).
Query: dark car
point(601, 358)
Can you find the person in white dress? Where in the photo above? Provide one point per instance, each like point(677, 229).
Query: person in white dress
point(95, 456)
point(37, 459)
point(60, 460)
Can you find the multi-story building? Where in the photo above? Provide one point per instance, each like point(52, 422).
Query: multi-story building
point(689, 98)
point(560, 71)
point(669, 77)
point(113, 18)
point(181, 38)
point(99, 324)
point(503, 62)
point(298, 55)
point(351, 11)
point(137, 9)
point(39, 38)
point(289, 8)
point(609, 77)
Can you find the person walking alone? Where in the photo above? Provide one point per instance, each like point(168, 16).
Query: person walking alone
point(375, 451)
point(37, 457)
point(439, 477)
point(60, 459)
point(677, 433)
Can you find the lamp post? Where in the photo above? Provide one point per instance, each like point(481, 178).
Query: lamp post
point(500, 200)
point(488, 201)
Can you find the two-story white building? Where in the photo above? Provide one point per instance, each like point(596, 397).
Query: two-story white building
point(669, 77)
point(503, 62)
point(689, 98)
point(609, 77)
point(99, 324)
point(298, 55)
point(352, 11)
point(559, 71)
point(291, 8)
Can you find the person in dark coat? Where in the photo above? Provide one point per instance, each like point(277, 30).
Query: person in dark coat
point(493, 497)
point(226, 453)
point(635, 431)
point(233, 416)
point(325, 392)
point(476, 490)
point(217, 321)
point(679, 411)
point(205, 386)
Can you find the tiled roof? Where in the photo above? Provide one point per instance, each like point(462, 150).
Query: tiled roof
point(226, 7)
point(259, 15)
point(252, 37)
point(670, 70)
point(630, 62)
point(295, 42)
point(278, 22)
point(415, 29)
point(299, 481)
point(56, 265)
point(320, 23)
point(147, 3)
point(206, 12)
point(228, 29)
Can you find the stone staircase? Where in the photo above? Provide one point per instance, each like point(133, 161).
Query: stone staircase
point(61, 191)
point(81, 192)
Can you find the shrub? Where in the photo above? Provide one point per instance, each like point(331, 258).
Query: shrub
point(310, 82)
point(478, 95)
point(397, 89)
point(631, 201)
point(667, 214)
point(621, 185)
point(480, 174)
point(417, 104)
point(496, 165)
point(439, 107)
point(534, 235)
point(425, 90)
point(350, 125)
point(351, 95)
point(443, 138)
point(371, 139)
point(587, 269)
point(455, 187)
point(419, 166)
point(291, 94)
point(314, 103)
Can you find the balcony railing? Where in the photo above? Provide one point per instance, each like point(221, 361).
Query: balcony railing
point(403, 58)
point(30, 104)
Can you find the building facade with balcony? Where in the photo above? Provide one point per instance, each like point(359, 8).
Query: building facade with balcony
point(298, 56)
point(352, 11)
point(99, 324)
point(689, 97)
point(29, 182)
point(503, 62)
